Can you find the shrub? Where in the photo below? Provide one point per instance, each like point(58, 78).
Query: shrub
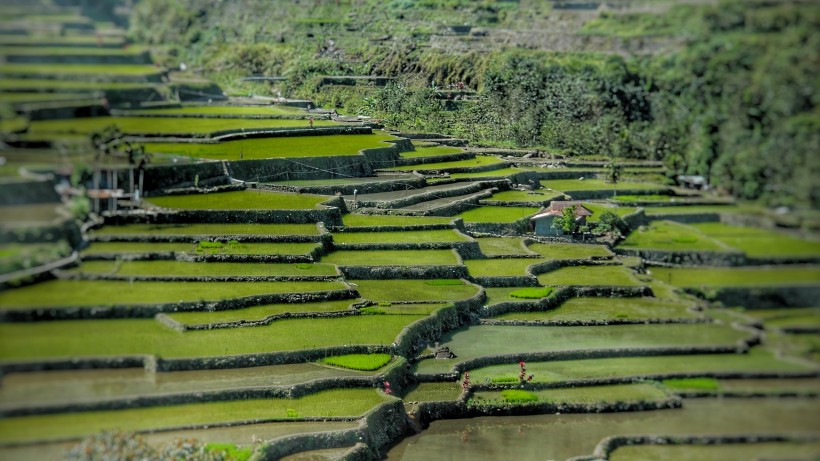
point(518, 396)
point(292, 413)
point(532, 293)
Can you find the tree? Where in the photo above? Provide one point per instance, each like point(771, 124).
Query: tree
point(613, 174)
point(610, 223)
point(566, 222)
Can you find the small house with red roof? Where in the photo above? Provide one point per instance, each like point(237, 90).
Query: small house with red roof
point(542, 221)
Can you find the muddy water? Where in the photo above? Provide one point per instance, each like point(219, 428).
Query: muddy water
point(240, 435)
point(27, 389)
point(558, 437)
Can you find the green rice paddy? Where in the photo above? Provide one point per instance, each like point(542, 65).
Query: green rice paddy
point(440, 235)
point(525, 196)
point(362, 220)
point(570, 250)
point(739, 277)
point(588, 394)
point(671, 236)
point(224, 110)
point(260, 312)
point(589, 276)
point(64, 293)
point(431, 151)
point(202, 269)
point(433, 392)
point(203, 248)
point(65, 339)
point(576, 185)
point(412, 290)
point(479, 341)
point(280, 147)
point(148, 125)
point(757, 242)
point(481, 160)
point(756, 360)
point(500, 267)
point(240, 200)
point(209, 229)
point(607, 309)
point(336, 402)
point(500, 246)
point(392, 258)
point(496, 214)
point(130, 70)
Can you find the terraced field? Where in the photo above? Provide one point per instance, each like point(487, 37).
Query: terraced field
point(282, 297)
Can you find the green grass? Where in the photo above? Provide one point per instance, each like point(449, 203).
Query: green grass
point(599, 208)
point(569, 250)
point(8, 39)
point(502, 295)
point(388, 308)
point(498, 246)
point(431, 151)
point(496, 214)
point(240, 200)
point(260, 312)
point(203, 249)
point(224, 110)
point(671, 236)
point(64, 339)
point(231, 451)
point(58, 293)
point(440, 235)
point(363, 362)
point(646, 198)
point(760, 242)
point(692, 384)
point(412, 290)
point(335, 402)
point(577, 185)
point(42, 97)
point(739, 277)
point(607, 309)
point(288, 147)
point(524, 196)
point(79, 69)
point(433, 392)
point(484, 340)
point(481, 160)
point(587, 394)
point(756, 360)
point(209, 229)
point(148, 125)
point(500, 267)
point(361, 220)
point(787, 318)
point(181, 268)
point(730, 451)
point(589, 276)
point(391, 258)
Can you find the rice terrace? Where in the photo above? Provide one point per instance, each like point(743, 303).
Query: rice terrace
point(409, 230)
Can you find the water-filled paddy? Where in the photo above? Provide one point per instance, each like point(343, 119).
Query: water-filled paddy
point(563, 436)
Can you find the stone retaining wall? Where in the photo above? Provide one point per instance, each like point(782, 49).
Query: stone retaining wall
point(603, 194)
point(331, 215)
point(688, 258)
point(159, 177)
point(302, 168)
point(402, 183)
point(29, 191)
point(403, 272)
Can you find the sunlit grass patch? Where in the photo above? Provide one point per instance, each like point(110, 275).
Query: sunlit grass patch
point(209, 229)
point(570, 250)
point(500, 267)
point(391, 258)
point(496, 214)
point(606, 309)
point(409, 236)
point(738, 276)
point(203, 269)
point(671, 236)
point(361, 220)
point(412, 290)
point(499, 246)
point(757, 242)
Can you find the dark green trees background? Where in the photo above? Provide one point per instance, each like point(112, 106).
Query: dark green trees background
point(732, 94)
